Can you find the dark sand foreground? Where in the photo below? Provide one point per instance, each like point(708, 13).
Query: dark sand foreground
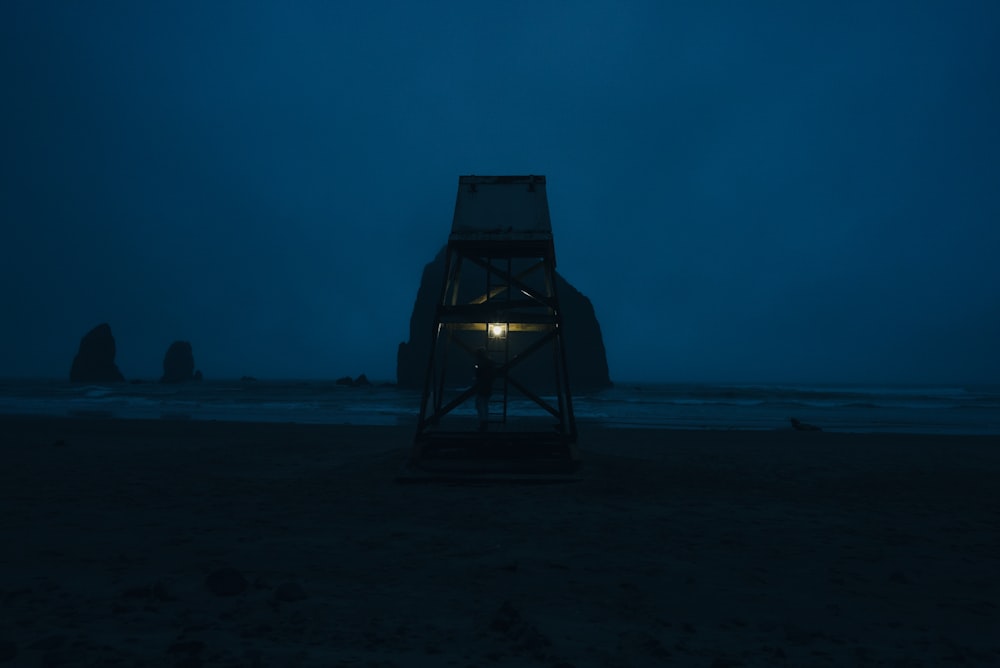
point(676, 548)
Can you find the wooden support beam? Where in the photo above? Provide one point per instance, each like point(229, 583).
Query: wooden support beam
point(514, 280)
point(511, 326)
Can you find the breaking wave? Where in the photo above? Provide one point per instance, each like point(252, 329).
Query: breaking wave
point(918, 409)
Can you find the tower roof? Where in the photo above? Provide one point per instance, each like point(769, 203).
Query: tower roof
point(501, 208)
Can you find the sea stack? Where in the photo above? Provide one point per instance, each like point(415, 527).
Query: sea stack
point(95, 360)
point(178, 364)
point(586, 359)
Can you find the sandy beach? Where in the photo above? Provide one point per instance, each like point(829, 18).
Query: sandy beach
point(185, 543)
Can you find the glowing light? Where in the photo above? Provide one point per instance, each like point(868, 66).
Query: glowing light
point(497, 330)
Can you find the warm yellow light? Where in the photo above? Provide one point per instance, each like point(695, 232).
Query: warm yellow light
point(497, 330)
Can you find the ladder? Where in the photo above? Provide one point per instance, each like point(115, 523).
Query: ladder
point(498, 346)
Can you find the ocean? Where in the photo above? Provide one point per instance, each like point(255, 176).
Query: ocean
point(930, 409)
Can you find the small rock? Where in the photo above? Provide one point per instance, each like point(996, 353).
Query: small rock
point(799, 636)
point(506, 618)
point(187, 653)
point(52, 642)
point(157, 592)
point(186, 647)
point(226, 582)
point(723, 662)
point(257, 631)
point(136, 592)
point(522, 636)
point(646, 644)
point(194, 621)
point(8, 650)
point(775, 652)
point(803, 426)
point(360, 381)
point(289, 591)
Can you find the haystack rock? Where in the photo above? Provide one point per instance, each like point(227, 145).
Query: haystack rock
point(178, 364)
point(95, 360)
point(585, 355)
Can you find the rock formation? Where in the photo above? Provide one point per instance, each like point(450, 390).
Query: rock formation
point(95, 360)
point(803, 426)
point(586, 359)
point(178, 364)
point(360, 381)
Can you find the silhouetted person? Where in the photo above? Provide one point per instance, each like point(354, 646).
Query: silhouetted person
point(484, 386)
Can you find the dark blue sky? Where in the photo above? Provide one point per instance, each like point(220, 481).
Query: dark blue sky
point(747, 191)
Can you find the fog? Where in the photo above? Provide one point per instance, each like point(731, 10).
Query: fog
point(767, 193)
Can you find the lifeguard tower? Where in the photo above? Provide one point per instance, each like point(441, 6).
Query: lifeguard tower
point(498, 298)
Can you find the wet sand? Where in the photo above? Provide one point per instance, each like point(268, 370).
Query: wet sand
point(183, 543)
